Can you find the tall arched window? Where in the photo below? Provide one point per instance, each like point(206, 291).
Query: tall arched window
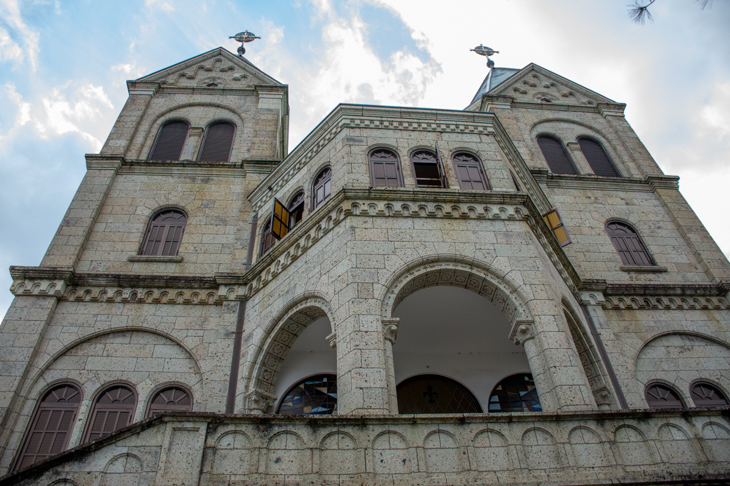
point(627, 243)
point(217, 142)
point(435, 394)
point(296, 209)
point(322, 187)
point(516, 393)
point(555, 155)
point(597, 158)
point(267, 238)
point(469, 171)
point(707, 395)
point(170, 141)
point(427, 169)
point(170, 399)
point(51, 425)
point(316, 395)
point(113, 410)
point(164, 233)
point(385, 169)
point(659, 395)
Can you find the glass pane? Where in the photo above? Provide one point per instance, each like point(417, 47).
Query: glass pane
point(516, 393)
point(435, 394)
point(314, 396)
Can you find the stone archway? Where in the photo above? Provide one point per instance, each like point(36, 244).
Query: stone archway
point(282, 333)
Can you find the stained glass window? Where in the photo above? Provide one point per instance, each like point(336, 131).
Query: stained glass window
point(316, 395)
point(516, 393)
point(435, 394)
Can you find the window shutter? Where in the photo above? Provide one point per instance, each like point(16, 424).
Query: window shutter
point(217, 144)
point(552, 218)
point(627, 243)
point(555, 155)
point(165, 233)
point(707, 395)
point(662, 396)
point(112, 411)
point(51, 426)
point(384, 169)
point(468, 170)
point(296, 209)
point(426, 169)
point(172, 399)
point(322, 187)
point(597, 158)
point(170, 141)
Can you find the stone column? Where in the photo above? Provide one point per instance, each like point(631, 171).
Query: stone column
point(192, 143)
point(390, 332)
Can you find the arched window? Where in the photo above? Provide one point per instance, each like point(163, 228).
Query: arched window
point(322, 187)
point(597, 158)
point(164, 233)
point(707, 395)
point(516, 393)
point(267, 238)
point(469, 171)
point(113, 410)
point(555, 155)
point(316, 395)
point(659, 395)
point(217, 142)
point(627, 243)
point(427, 169)
point(384, 169)
point(170, 399)
point(51, 425)
point(435, 394)
point(170, 141)
point(296, 209)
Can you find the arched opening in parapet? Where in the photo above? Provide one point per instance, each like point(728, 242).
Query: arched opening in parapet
point(459, 335)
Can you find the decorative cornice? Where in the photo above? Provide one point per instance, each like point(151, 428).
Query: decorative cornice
point(600, 183)
point(655, 296)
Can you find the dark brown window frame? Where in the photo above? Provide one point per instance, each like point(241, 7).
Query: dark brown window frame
point(35, 417)
point(159, 134)
point(723, 402)
point(565, 153)
point(155, 410)
point(296, 208)
point(267, 238)
point(205, 138)
point(443, 180)
point(611, 164)
point(151, 226)
point(644, 248)
point(95, 408)
point(399, 174)
point(654, 404)
point(479, 166)
point(316, 183)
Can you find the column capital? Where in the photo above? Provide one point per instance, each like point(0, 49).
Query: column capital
point(523, 330)
point(390, 328)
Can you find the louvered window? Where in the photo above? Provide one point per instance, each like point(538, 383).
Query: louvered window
point(627, 243)
point(170, 141)
point(384, 169)
point(659, 395)
point(469, 172)
point(427, 169)
point(556, 156)
point(164, 233)
point(597, 158)
point(113, 410)
point(707, 395)
point(171, 399)
point(296, 209)
point(267, 238)
point(218, 142)
point(322, 187)
point(51, 425)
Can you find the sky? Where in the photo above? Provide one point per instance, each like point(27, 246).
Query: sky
point(63, 67)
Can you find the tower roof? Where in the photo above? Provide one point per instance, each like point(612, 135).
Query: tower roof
point(495, 77)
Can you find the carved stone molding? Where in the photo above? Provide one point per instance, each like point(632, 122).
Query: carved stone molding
point(332, 339)
point(259, 402)
point(671, 302)
point(522, 331)
point(41, 287)
point(390, 328)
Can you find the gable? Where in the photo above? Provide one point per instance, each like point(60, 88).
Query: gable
point(215, 69)
point(535, 84)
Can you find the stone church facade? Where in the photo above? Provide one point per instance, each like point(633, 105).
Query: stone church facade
point(509, 293)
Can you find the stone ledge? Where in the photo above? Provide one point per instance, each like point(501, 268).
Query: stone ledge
point(641, 268)
point(152, 258)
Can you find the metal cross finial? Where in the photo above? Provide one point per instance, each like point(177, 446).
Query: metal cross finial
point(243, 37)
point(485, 51)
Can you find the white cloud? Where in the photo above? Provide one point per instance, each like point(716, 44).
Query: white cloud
point(163, 5)
point(714, 118)
point(10, 14)
point(9, 50)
